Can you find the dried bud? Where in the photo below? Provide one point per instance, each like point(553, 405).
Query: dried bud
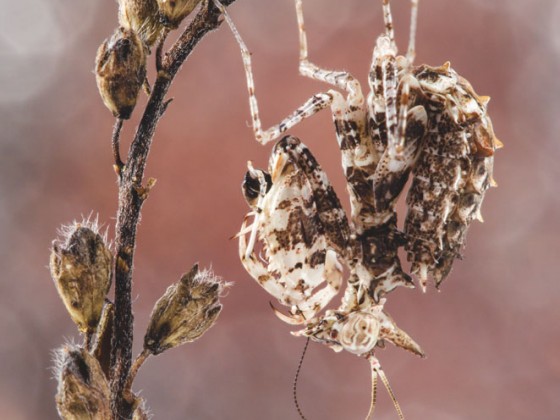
point(174, 11)
point(142, 17)
point(81, 267)
point(83, 391)
point(120, 68)
point(140, 413)
point(186, 310)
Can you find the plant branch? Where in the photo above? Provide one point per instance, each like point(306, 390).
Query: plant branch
point(131, 200)
point(138, 362)
point(116, 146)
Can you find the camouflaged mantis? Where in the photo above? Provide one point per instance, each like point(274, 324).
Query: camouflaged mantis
point(422, 122)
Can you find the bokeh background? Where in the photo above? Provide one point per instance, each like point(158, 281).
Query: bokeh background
point(492, 335)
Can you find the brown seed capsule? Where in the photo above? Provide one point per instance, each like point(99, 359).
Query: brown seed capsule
point(142, 17)
point(120, 68)
point(140, 413)
point(83, 391)
point(186, 310)
point(81, 267)
point(174, 11)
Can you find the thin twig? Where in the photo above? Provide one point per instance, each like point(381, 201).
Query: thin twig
point(138, 362)
point(88, 340)
point(130, 202)
point(159, 50)
point(116, 146)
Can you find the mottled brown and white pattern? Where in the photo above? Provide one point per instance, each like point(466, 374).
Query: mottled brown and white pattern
point(298, 220)
point(303, 236)
point(423, 120)
point(452, 174)
point(378, 148)
point(409, 112)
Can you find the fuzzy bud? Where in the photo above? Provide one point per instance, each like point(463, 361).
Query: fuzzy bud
point(142, 17)
point(83, 391)
point(81, 267)
point(185, 312)
point(120, 69)
point(140, 413)
point(174, 11)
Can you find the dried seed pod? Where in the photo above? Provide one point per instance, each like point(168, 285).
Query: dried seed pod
point(120, 68)
point(142, 17)
point(81, 267)
point(186, 310)
point(83, 391)
point(140, 413)
point(174, 11)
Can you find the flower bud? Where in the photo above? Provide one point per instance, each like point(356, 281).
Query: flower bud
point(120, 69)
point(81, 267)
point(174, 11)
point(186, 310)
point(83, 391)
point(142, 17)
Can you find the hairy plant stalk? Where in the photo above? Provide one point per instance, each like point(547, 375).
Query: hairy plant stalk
point(132, 195)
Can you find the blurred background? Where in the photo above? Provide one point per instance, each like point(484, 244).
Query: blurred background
point(492, 335)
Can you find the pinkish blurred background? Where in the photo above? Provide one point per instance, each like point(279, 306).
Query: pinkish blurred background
point(492, 335)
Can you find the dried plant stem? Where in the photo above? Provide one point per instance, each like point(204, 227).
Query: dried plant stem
point(116, 146)
point(138, 362)
point(132, 195)
point(88, 340)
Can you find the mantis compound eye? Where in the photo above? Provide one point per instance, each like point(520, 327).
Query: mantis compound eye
point(251, 185)
point(360, 333)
